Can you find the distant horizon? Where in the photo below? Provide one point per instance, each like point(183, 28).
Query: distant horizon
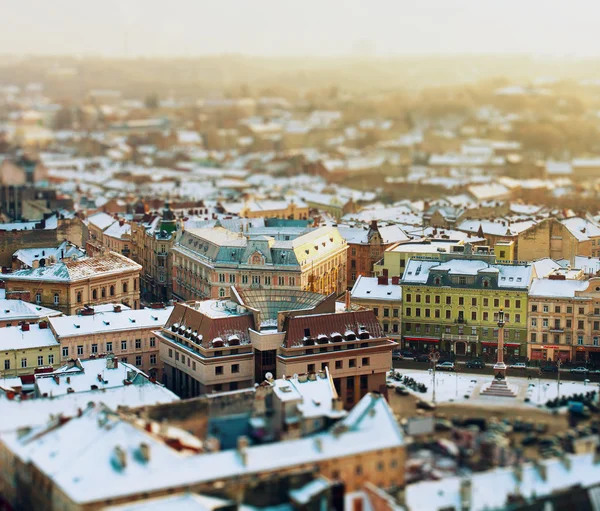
point(313, 28)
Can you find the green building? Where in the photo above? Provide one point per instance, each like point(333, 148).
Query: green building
point(451, 303)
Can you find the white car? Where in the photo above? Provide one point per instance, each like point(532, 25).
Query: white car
point(580, 370)
point(518, 365)
point(447, 366)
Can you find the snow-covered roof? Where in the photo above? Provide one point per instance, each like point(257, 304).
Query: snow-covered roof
point(65, 250)
point(551, 288)
point(368, 288)
point(79, 453)
point(108, 321)
point(101, 220)
point(581, 228)
point(19, 310)
point(14, 338)
point(490, 489)
point(488, 191)
point(118, 229)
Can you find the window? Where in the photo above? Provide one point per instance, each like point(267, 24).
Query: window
point(78, 296)
point(507, 304)
point(418, 312)
point(474, 302)
point(221, 293)
point(569, 310)
point(486, 302)
point(595, 341)
point(386, 327)
point(462, 281)
point(152, 359)
point(473, 330)
point(112, 290)
point(339, 364)
point(310, 368)
point(557, 324)
point(221, 277)
point(395, 313)
point(517, 304)
point(7, 364)
point(557, 309)
point(474, 316)
point(138, 344)
point(123, 345)
point(235, 368)
point(244, 279)
point(437, 281)
point(124, 287)
point(496, 302)
point(448, 300)
point(580, 325)
point(408, 297)
point(376, 311)
point(395, 328)
point(408, 311)
point(232, 278)
point(437, 313)
point(545, 323)
point(255, 279)
point(486, 316)
point(267, 280)
point(534, 308)
point(517, 318)
point(80, 349)
point(40, 360)
point(427, 313)
point(103, 292)
point(448, 314)
point(170, 353)
point(324, 365)
point(386, 312)
point(109, 347)
point(580, 339)
point(65, 351)
point(95, 294)
point(23, 362)
point(533, 337)
point(219, 370)
point(94, 348)
point(569, 323)
point(461, 300)
point(138, 360)
point(418, 298)
point(581, 310)
point(281, 281)
point(544, 338)
point(438, 299)
point(56, 299)
point(352, 362)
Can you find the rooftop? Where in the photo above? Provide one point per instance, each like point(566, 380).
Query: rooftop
point(369, 288)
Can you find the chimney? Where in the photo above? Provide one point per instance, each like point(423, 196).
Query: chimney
point(25, 327)
point(242, 448)
point(385, 272)
point(116, 308)
point(395, 281)
point(373, 225)
point(145, 452)
point(347, 300)
point(382, 281)
point(121, 221)
point(43, 325)
point(120, 457)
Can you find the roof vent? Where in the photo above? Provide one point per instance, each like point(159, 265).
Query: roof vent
point(106, 322)
point(76, 325)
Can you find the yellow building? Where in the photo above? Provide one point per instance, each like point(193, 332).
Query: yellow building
point(70, 285)
point(294, 209)
point(25, 348)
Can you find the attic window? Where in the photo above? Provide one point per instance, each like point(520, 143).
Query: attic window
point(6, 311)
point(106, 322)
point(519, 279)
point(368, 291)
point(503, 278)
point(155, 318)
point(389, 292)
point(132, 320)
point(510, 279)
point(76, 325)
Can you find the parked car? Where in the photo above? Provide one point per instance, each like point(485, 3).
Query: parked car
point(518, 365)
point(425, 405)
point(579, 370)
point(422, 358)
point(475, 364)
point(549, 369)
point(401, 391)
point(396, 355)
point(407, 353)
point(445, 366)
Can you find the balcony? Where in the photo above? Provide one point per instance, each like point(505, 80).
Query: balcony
point(460, 322)
point(460, 337)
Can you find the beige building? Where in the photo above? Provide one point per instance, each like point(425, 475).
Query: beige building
point(26, 349)
point(564, 320)
point(207, 262)
point(294, 209)
point(70, 285)
point(126, 333)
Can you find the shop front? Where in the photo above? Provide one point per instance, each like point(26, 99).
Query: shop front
point(421, 344)
point(489, 350)
point(588, 354)
point(556, 352)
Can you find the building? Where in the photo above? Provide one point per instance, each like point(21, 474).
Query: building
point(127, 333)
point(366, 246)
point(153, 237)
point(84, 375)
point(204, 347)
point(451, 304)
point(27, 348)
point(58, 466)
point(16, 312)
point(70, 285)
point(294, 209)
point(564, 319)
point(207, 262)
point(384, 296)
point(26, 258)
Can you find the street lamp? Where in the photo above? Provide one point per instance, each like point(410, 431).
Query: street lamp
point(434, 357)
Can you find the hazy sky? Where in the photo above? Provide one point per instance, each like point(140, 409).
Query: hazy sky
point(299, 27)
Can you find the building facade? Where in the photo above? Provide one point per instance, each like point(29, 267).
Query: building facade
point(207, 262)
point(452, 305)
point(70, 285)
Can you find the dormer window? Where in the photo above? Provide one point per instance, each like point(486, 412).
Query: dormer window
point(486, 283)
point(437, 281)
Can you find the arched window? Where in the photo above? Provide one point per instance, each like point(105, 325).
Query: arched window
point(124, 287)
point(94, 294)
point(486, 283)
point(56, 299)
point(221, 293)
point(112, 290)
point(103, 292)
point(437, 281)
point(78, 296)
